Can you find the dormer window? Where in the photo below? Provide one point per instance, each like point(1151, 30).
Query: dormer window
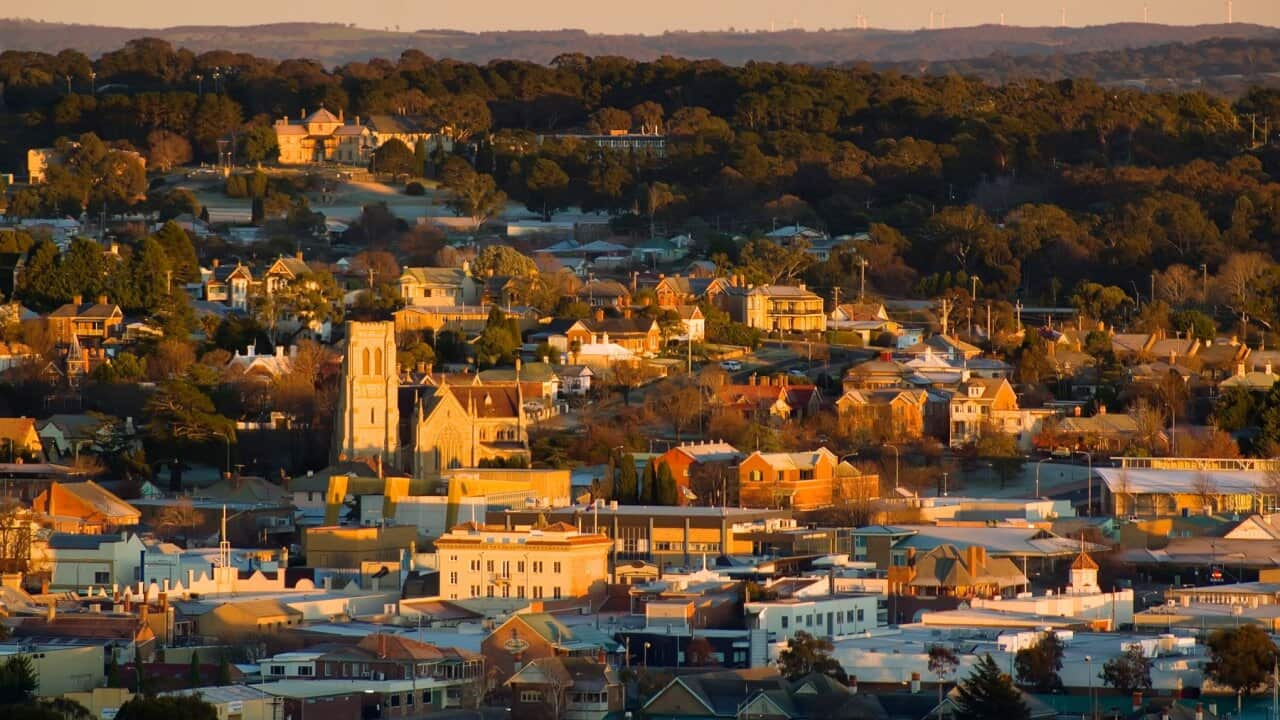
point(975, 391)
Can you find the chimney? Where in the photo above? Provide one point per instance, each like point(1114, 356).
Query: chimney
point(752, 381)
point(1076, 411)
point(1199, 711)
point(102, 299)
point(1137, 702)
point(599, 314)
point(976, 555)
point(626, 313)
point(915, 683)
point(1102, 409)
point(214, 263)
point(1268, 367)
point(341, 116)
point(279, 351)
point(77, 299)
point(298, 255)
point(357, 120)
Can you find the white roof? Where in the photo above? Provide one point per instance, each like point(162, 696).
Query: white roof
point(1145, 480)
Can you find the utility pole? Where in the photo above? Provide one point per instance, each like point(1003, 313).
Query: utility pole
point(944, 314)
point(1204, 282)
point(1018, 307)
point(988, 322)
point(1153, 287)
point(862, 279)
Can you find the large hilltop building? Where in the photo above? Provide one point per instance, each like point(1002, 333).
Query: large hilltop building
point(324, 137)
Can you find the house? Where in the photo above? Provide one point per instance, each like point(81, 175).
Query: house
point(693, 324)
point(228, 284)
point(777, 308)
point(759, 693)
point(575, 380)
point(770, 399)
point(884, 372)
point(656, 251)
point(244, 618)
point(1101, 432)
point(555, 561)
point(1251, 380)
point(673, 291)
point(281, 273)
point(89, 323)
point(529, 636)
point(682, 459)
point(438, 287)
point(947, 572)
point(386, 656)
point(85, 508)
point(802, 480)
point(66, 435)
point(604, 294)
point(267, 368)
point(574, 688)
point(79, 561)
point(322, 136)
point(638, 335)
point(981, 404)
point(887, 414)
point(19, 439)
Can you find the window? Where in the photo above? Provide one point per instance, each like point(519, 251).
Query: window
point(537, 591)
point(453, 578)
point(755, 476)
point(506, 591)
point(408, 698)
point(782, 477)
point(489, 591)
point(860, 614)
point(806, 474)
point(506, 568)
point(556, 568)
point(277, 670)
point(489, 566)
point(785, 622)
point(520, 591)
point(101, 578)
point(808, 621)
point(556, 592)
point(520, 566)
point(530, 696)
point(304, 671)
point(395, 701)
point(537, 567)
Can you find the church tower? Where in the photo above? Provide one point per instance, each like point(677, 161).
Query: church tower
point(368, 420)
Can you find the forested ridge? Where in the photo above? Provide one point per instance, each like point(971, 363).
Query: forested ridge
point(1032, 186)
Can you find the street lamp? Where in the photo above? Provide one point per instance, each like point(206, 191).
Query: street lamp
point(1038, 464)
point(897, 459)
point(647, 645)
point(1088, 663)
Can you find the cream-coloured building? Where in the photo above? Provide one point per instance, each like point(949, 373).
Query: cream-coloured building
point(784, 308)
point(368, 400)
point(62, 669)
point(490, 561)
point(438, 287)
point(324, 137)
point(458, 426)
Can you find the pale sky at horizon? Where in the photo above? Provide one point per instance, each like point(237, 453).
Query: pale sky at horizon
point(649, 16)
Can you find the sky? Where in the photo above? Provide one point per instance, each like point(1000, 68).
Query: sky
point(648, 16)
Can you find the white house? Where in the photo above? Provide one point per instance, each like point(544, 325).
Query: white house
point(814, 610)
point(78, 561)
point(575, 380)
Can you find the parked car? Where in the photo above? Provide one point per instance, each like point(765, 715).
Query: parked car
point(731, 365)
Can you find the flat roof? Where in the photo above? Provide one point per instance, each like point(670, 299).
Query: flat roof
point(1167, 482)
point(297, 688)
point(661, 511)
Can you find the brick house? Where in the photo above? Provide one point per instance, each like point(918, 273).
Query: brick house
point(802, 481)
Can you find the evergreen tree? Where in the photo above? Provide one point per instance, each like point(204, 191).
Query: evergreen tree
point(1038, 665)
point(224, 671)
point(113, 667)
point(647, 493)
point(626, 484)
point(258, 211)
point(988, 694)
point(666, 491)
point(17, 680)
point(193, 672)
point(420, 158)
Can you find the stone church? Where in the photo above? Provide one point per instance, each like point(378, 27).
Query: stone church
point(451, 425)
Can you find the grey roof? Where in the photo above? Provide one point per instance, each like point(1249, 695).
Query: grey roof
point(72, 541)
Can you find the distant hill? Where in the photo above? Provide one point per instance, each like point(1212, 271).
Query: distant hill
point(1227, 66)
point(334, 44)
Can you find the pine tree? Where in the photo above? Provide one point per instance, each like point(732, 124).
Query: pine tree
point(988, 694)
point(193, 673)
point(113, 672)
